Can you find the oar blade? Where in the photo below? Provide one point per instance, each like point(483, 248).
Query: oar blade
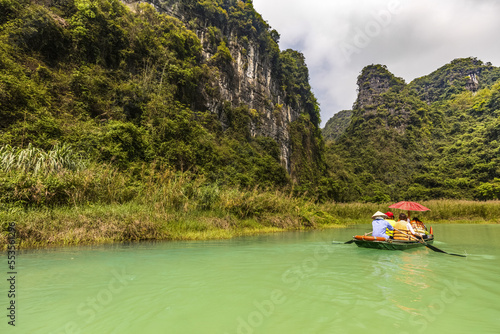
point(434, 248)
point(343, 243)
point(461, 255)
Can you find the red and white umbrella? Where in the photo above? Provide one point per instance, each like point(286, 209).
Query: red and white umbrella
point(409, 206)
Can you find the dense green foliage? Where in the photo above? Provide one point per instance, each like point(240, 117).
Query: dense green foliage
point(399, 147)
point(95, 98)
point(128, 89)
point(337, 125)
point(295, 82)
point(454, 78)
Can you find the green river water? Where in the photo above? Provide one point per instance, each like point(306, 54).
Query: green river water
point(293, 282)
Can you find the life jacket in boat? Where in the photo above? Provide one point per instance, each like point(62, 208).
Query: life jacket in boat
point(387, 231)
point(401, 235)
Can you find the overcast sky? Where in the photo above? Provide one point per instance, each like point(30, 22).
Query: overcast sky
point(412, 37)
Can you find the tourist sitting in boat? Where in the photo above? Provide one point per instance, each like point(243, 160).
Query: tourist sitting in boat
point(403, 229)
point(419, 227)
point(380, 225)
point(390, 220)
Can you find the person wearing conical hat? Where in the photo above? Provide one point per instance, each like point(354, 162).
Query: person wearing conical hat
point(380, 225)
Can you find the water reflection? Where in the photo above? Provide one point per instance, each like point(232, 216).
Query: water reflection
point(403, 278)
point(409, 268)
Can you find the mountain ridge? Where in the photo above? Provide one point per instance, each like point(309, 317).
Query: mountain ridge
point(415, 125)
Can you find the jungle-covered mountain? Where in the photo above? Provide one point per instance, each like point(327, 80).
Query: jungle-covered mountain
point(128, 88)
point(99, 96)
point(436, 137)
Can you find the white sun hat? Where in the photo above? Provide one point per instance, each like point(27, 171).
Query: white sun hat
point(379, 214)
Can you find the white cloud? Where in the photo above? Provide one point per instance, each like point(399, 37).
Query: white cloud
point(412, 37)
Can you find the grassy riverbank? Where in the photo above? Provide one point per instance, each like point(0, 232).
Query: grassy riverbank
point(237, 213)
point(57, 199)
point(172, 211)
point(135, 222)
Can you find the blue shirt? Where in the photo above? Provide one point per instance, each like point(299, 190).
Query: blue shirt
point(379, 226)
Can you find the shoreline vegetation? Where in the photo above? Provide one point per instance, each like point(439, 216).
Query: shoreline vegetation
point(238, 213)
point(56, 198)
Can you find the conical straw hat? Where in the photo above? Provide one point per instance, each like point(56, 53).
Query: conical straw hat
point(379, 214)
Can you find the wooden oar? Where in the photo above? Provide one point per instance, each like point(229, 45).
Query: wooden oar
point(343, 243)
point(434, 248)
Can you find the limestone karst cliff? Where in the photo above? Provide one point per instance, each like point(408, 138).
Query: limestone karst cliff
point(337, 125)
point(436, 137)
point(189, 85)
point(373, 81)
point(251, 73)
point(461, 74)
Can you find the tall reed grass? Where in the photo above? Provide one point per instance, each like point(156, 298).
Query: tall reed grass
point(36, 161)
point(100, 204)
point(57, 199)
point(462, 210)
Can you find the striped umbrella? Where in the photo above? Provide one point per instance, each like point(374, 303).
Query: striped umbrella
point(409, 206)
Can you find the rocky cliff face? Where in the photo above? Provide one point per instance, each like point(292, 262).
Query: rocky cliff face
point(248, 77)
point(373, 81)
point(249, 81)
point(432, 138)
point(384, 101)
point(459, 75)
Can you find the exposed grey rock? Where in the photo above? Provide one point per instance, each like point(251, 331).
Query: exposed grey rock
point(248, 80)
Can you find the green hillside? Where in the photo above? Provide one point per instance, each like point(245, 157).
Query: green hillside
point(125, 91)
point(337, 125)
point(437, 137)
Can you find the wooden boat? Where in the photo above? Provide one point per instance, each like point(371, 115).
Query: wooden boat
point(381, 243)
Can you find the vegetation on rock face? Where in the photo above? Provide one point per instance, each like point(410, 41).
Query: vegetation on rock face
point(125, 88)
point(400, 146)
point(107, 134)
point(295, 82)
point(464, 74)
point(98, 101)
point(337, 125)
